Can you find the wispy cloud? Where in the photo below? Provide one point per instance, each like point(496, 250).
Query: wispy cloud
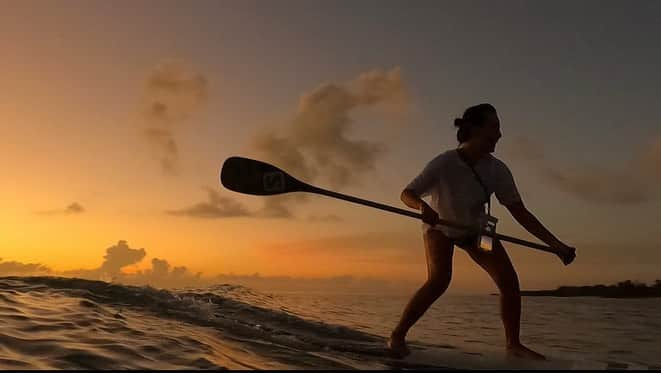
point(72, 209)
point(599, 185)
point(316, 143)
point(215, 207)
point(172, 94)
point(624, 186)
point(278, 206)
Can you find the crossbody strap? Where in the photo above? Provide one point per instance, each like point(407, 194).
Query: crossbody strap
point(479, 180)
point(484, 187)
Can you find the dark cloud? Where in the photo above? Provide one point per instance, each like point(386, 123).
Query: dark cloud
point(625, 186)
point(215, 207)
point(22, 269)
point(72, 209)
point(173, 94)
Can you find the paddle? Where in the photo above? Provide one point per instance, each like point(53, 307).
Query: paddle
point(249, 176)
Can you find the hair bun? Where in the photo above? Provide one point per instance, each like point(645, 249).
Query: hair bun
point(458, 122)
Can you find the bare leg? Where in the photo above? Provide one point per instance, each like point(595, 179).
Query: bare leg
point(439, 250)
point(499, 266)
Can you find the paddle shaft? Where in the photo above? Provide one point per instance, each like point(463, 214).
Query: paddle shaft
point(417, 215)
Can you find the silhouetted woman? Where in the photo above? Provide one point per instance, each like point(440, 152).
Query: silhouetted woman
point(460, 182)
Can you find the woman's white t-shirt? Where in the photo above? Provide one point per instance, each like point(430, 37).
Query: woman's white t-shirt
point(456, 194)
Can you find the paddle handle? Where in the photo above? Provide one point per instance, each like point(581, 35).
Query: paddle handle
point(418, 215)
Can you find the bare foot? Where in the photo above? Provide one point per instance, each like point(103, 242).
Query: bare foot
point(397, 346)
point(523, 352)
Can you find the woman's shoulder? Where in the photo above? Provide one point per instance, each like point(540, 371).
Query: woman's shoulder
point(495, 160)
point(443, 157)
point(498, 165)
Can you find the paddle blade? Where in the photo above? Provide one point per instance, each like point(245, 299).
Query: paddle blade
point(255, 177)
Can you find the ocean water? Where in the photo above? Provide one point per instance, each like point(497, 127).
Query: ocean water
point(60, 323)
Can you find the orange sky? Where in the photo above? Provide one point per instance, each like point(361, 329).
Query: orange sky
point(72, 118)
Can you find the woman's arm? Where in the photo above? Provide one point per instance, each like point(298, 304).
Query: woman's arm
point(411, 199)
point(533, 225)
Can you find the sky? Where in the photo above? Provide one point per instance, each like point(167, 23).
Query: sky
point(117, 116)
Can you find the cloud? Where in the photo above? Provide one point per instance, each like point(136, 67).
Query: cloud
point(278, 206)
point(22, 269)
point(283, 150)
point(164, 141)
point(215, 207)
point(160, 267)
point(625, 186)
point(599, 185)
point(162, 274)
point(72, 209)
point(120, 256)
point(317, 140)
point(172, 95)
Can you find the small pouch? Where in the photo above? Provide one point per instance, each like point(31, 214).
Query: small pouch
point(487, 231)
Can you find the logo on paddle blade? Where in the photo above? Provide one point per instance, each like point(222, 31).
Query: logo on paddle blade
point(274, 182)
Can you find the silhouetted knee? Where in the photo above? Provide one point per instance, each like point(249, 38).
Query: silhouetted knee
point(437, 285)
